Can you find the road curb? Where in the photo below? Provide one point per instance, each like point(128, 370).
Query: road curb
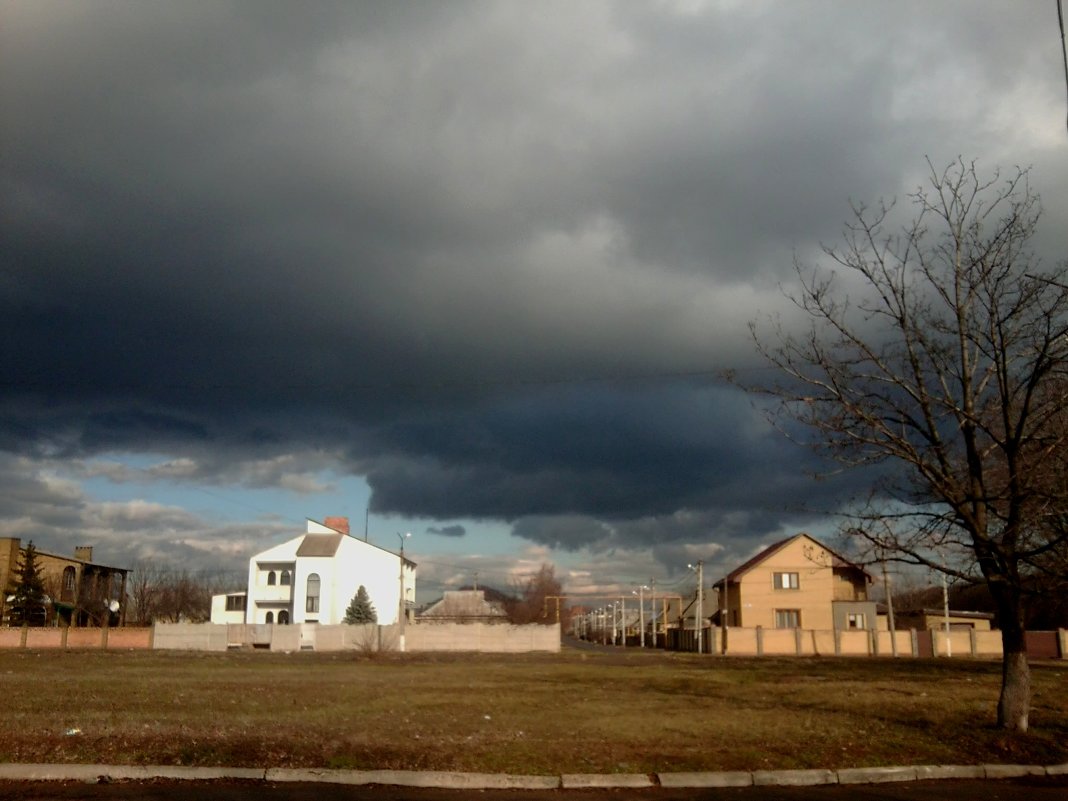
point(451, 780)
point(455, 780)
point(615, 781)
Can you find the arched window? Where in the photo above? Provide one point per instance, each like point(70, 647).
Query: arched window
point(270, 617)
point(283, 617)
point(312, 604)
point(285, 578)
point(68, 579)
point(270, 579)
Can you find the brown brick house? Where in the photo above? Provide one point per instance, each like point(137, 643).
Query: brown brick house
point(82, 592)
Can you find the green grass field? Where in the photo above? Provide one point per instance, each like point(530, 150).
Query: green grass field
point(572, 712)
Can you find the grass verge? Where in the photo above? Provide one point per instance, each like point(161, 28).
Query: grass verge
point(567, 713)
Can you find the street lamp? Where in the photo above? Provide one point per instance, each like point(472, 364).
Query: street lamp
point(700, 571)
point(401, 611)
point(641, 613)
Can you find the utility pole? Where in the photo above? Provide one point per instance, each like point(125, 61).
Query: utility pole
point(402, 612)
point(700, 570)
point(623, 620)
point(945, 611)
point(613, 622)
point(889, 608)
point(641, 615)
point(726, 621)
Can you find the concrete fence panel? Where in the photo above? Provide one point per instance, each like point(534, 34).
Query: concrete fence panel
point(742, 642)
point(190, 637)
point(779, 642)
point(854, 642)
point(84, 638)
point(132, 638)
point(959, 643)
point(817, 643)
point(988, 643)
point(48, 638)
point(886, 640)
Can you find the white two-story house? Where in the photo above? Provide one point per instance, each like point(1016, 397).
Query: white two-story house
point(313, 578)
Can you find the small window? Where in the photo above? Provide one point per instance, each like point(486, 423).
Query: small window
point(285, 578)
point(235, 603)
point(68, 579)
point(283, 617)
point(786, 581)
point(270, 617)
point(312, 602)
point(855, 621)
point(271, 578)
point(787, 618)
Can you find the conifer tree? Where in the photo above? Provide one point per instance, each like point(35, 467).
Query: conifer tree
point(28, 606)
point(361, 610)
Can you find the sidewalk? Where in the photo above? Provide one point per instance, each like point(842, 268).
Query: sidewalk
point(492, 781)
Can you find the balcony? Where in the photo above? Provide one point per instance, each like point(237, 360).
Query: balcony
point(275, 593)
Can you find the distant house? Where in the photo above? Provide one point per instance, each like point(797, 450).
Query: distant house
point(313, 578)
point(81, 592)
point(797, 582)
point(464, 606)
point(935, 619)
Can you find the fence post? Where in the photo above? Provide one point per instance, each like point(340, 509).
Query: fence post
point(837, 642)
point(914, 642)
point(760, 640)
point(22, 637)
point(63, 637)
point(797, 641)
point(103, 638)
point(972, 641)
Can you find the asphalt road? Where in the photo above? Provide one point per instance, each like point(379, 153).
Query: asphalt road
point(1029, 789)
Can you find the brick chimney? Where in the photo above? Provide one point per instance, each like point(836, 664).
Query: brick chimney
point(83, 552)
point(338, 524)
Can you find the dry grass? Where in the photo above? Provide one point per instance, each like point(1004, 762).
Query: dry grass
point(571, 712)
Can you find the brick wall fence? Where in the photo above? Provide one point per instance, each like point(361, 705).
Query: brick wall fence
point(807, 642)
point(126, 638)
point(483, 637)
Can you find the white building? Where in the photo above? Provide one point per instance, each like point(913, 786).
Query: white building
point(313, 578)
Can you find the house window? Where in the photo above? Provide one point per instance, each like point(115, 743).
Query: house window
point(312, 603)
point(855, 621)
point(235, 603)
point(270, 617)
point(283, 617)
point(787, 618)
point(285, 578)
point(270, 579)
point(786, 581)
point(68, 579)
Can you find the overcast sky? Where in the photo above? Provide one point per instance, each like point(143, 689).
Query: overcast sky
point(475, 266)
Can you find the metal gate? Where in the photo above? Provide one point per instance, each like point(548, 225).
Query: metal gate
point(1042, 645)
point(924, 643)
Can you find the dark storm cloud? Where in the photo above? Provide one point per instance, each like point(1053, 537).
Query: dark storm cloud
point(238, 232)
point(447, 531)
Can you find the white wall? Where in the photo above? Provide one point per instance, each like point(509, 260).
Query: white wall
point(219, 614)
point(354, 564)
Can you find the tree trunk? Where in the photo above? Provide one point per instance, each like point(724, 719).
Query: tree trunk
point(1015, 702)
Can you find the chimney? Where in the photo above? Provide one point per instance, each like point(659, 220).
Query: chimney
point(83, 552)
point(338, 524)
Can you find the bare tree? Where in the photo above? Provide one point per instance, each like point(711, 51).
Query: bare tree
point(943, 366)
point(530, 603)
point(159, 593)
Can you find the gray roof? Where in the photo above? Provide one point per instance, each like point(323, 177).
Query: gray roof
point(319, 544)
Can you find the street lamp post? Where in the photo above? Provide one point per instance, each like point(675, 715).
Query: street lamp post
point(700, 570)
point(401, 610)
point(641, 613)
